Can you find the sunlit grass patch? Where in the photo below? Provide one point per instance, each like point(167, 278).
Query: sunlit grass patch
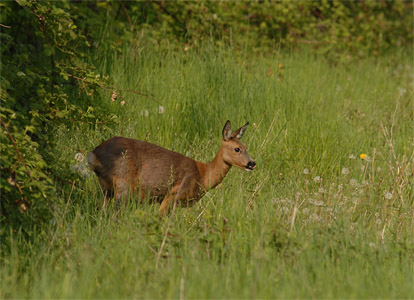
point(328, 212)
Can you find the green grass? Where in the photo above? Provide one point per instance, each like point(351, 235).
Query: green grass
point(344, 230)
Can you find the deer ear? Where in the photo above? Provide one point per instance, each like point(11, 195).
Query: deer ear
point(227, 132)
point(239, 132)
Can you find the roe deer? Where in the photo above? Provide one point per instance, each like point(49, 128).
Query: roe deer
point(123, 165)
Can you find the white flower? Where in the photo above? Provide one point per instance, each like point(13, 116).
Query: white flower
point(145, 113)
point(401, 91)
point(379, 169)
point(161, 109)
point(322, 190)
point(316, 202)
point(353, 182)
point(378, 222)
point(306, 171)
point(79, 157)
point(285, 201)
point(345, 171)
point(388, 195)
point(351, 156)
point(317, 179)
point(372, 245)
point(84, 173)
point(315, 217)
point(285, 209)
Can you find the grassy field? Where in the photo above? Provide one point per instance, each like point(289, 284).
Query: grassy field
point(314, 220)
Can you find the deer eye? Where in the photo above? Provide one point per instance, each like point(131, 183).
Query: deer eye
point(237, 149)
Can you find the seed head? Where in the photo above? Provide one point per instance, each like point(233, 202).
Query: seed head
point(401, 91)
point(79, 157)
point(353, 182)
point(145, 113)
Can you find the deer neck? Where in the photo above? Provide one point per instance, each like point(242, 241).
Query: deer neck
point(213, 172)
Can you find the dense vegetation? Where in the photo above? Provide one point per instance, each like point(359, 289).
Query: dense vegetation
point(321, 83)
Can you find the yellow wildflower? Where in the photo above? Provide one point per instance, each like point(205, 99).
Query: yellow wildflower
point(363, 156)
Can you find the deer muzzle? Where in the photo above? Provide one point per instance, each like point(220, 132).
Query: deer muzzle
point(251, 165)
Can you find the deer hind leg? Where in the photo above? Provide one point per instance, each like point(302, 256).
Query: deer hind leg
point(107, 198)
point(107, 191)
point(121, 191)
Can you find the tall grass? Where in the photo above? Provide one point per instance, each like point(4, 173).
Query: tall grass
point(314, 220)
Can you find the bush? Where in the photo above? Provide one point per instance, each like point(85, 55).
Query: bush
point(43, 61)
point(338, 29)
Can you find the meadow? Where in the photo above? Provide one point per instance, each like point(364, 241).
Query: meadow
point(327, 213)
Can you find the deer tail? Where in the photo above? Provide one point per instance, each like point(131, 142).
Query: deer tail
point(94, 163)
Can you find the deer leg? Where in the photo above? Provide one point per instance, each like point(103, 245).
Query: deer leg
point(175, 194)
point(121, 193)
point(107, 192)
point(165, 205)
point(106, 201)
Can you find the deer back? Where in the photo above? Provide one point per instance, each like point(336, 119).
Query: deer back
point(142, 165)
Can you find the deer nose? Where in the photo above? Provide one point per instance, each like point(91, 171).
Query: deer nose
point(251, 165)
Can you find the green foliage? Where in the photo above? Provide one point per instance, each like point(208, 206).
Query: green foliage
point(43, 62)
point(341, 30)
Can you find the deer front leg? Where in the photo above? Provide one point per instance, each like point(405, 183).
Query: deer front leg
point(176, 194)
point(165, 205)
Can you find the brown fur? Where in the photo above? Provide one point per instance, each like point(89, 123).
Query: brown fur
point(126, 165)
